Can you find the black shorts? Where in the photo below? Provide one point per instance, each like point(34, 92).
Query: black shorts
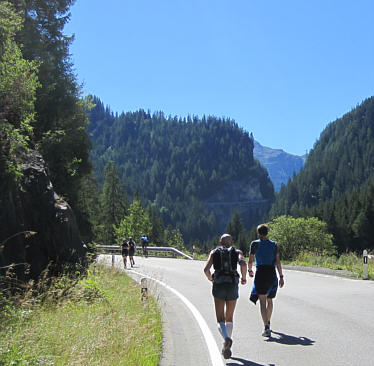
point(131, 252)
point(264, 279)
point(225, 291)
point(125, 253)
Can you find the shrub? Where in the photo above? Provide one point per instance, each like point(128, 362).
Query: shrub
point(296, 235)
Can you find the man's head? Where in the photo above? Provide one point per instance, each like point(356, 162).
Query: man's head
point(262, 230)
point(226, 240)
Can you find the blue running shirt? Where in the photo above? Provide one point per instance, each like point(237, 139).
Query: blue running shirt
point(264, 251)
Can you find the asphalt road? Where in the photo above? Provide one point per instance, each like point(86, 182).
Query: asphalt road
point(317, 319)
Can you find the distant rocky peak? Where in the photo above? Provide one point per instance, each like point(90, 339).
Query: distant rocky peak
point(280, 165)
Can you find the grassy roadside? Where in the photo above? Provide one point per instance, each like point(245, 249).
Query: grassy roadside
point(348, 262)
point(99, 321)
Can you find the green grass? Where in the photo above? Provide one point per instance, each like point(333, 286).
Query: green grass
point(99, 321)
point(349, 262)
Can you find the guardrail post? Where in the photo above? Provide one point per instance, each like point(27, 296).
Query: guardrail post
point(365, 254)
point(112, 259)
point(144, 289)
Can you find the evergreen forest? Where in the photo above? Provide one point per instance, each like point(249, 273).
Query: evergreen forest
point(179, 173)
point(41, 107)
point(177, 164)
point(337, 182)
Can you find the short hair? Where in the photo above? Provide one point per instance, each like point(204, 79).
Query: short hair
point(225, 238)
point(262, 229)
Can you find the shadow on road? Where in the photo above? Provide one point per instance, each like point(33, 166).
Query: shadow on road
point(242, 362)
point(290, 340)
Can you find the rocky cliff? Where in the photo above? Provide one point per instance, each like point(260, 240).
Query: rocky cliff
point(280, 165)
point(37, 226)
point(244, 196)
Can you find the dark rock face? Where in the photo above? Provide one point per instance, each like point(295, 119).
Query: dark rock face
point(37, 226)
point(280, 165)
point(243, 196)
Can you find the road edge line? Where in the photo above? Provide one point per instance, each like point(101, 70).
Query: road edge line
point(214, 353)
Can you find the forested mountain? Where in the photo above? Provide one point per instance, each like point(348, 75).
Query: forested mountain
point(280, 165)
point(194, 171)
point(337, 182)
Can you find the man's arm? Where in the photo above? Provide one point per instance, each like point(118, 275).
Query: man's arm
point(280, 271)
point(243, 268)
point(207, 267)
point(250, 263)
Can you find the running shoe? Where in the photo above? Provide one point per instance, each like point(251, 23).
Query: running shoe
point(226, 351)
point(266, 332)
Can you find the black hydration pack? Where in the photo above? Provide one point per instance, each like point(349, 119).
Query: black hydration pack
point(225, 260)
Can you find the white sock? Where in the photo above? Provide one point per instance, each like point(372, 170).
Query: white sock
point(220, 330)
point(229, 327)
point(223, 329)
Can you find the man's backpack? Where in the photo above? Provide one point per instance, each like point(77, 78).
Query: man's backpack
point(225, 260)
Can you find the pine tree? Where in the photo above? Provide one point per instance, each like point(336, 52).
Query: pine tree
point(60, 126)
point(156, 235)
point(89, 209)
point(18, 85)
point(113, 203)
point(235, 227)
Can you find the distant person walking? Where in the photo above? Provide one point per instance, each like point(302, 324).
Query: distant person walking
point(225, 289)
point(144, 243)
point(124, 251)
point(266, 282)
point(132, 248)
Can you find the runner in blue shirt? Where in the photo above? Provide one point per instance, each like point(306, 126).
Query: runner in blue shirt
point(266, 282)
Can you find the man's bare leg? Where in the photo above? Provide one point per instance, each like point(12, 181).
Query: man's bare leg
point(269, 309)
point(264, 315)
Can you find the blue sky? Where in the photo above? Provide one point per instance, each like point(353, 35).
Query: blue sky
point(281, 69)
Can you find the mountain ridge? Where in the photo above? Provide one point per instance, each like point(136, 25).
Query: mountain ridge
point(280, 165)
point(180, 165)
point(337, 181)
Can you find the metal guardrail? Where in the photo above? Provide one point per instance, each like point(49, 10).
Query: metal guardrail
point(155, 250)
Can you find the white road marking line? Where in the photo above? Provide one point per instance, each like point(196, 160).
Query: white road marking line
point(316, 274)
point(214, 352)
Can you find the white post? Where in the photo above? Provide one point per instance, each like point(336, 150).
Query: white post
point(112, 260)
point(365, 264)
point(144, 289)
